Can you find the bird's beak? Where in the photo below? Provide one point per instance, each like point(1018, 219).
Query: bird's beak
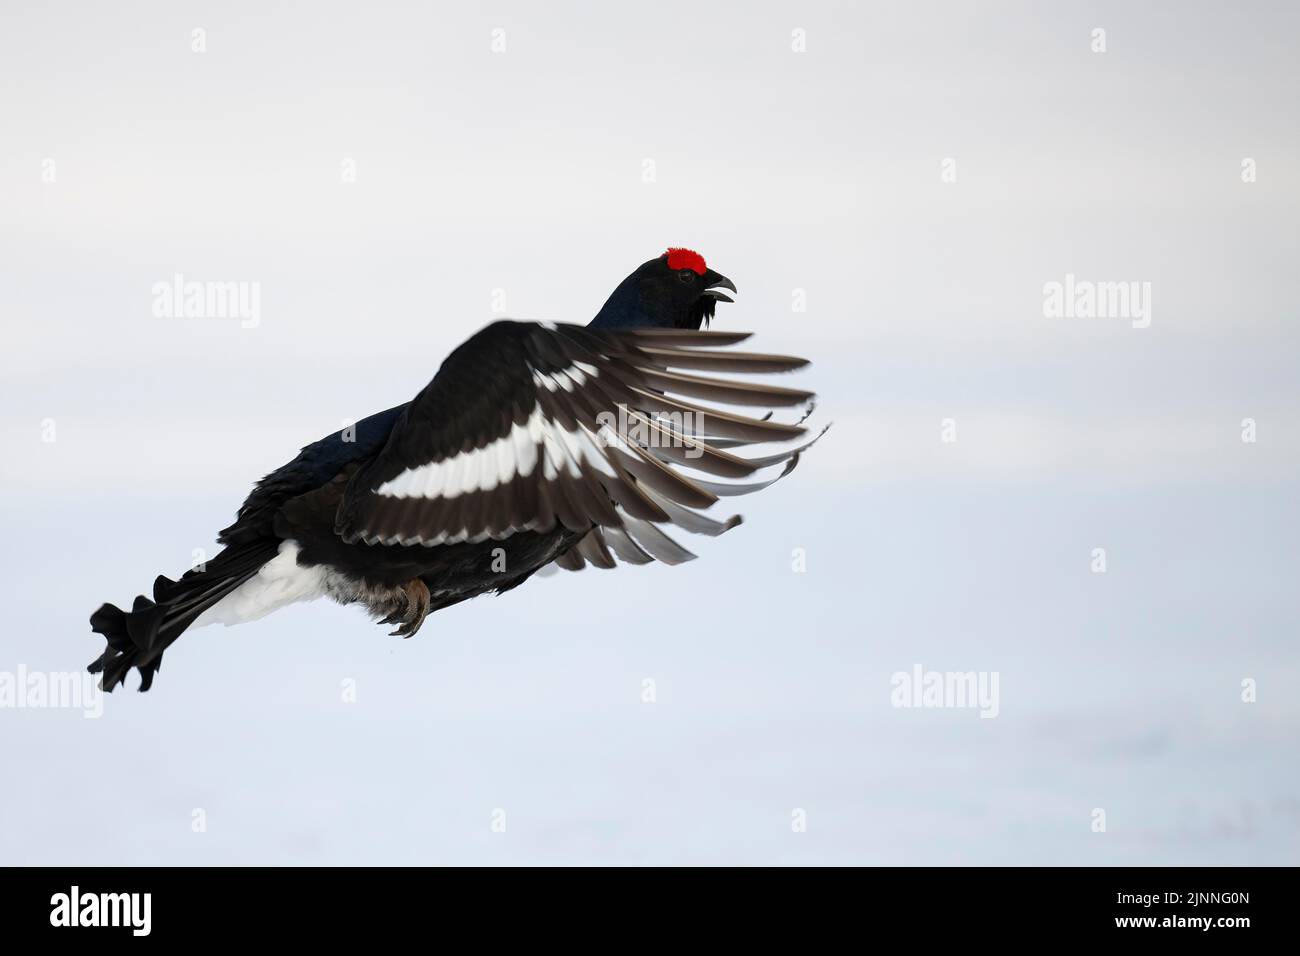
point(714, 282)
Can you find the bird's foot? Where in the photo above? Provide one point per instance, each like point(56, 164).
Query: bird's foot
point(410, 607)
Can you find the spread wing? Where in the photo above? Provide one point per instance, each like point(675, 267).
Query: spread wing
point(529, 426)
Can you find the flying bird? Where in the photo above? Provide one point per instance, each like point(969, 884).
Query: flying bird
point(535, 445)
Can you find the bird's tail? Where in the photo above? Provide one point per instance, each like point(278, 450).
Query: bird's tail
point(138, 637)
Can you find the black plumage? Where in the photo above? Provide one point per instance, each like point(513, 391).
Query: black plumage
point(533, 444)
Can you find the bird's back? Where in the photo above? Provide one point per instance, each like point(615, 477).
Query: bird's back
point(315, 465)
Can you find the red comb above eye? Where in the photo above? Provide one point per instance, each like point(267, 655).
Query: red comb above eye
point(686, 259)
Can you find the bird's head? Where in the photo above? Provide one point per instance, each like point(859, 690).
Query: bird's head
point(675, 290)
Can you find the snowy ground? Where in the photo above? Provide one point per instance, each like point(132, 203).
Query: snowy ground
point(1116, 691)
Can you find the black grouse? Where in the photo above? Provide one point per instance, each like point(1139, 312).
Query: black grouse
point(534, 444)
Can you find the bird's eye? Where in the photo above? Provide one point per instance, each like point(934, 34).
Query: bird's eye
point(686, 275)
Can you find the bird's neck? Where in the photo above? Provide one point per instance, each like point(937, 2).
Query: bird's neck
point(632, 308)
point(625, 309)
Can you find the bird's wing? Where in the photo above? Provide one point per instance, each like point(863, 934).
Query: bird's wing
point(529, 426)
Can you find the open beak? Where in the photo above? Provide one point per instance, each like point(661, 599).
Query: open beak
point(714, 282)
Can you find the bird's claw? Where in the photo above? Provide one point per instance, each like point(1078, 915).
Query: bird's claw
point(415, 608)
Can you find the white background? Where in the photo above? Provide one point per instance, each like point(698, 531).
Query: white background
point(522, 171)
